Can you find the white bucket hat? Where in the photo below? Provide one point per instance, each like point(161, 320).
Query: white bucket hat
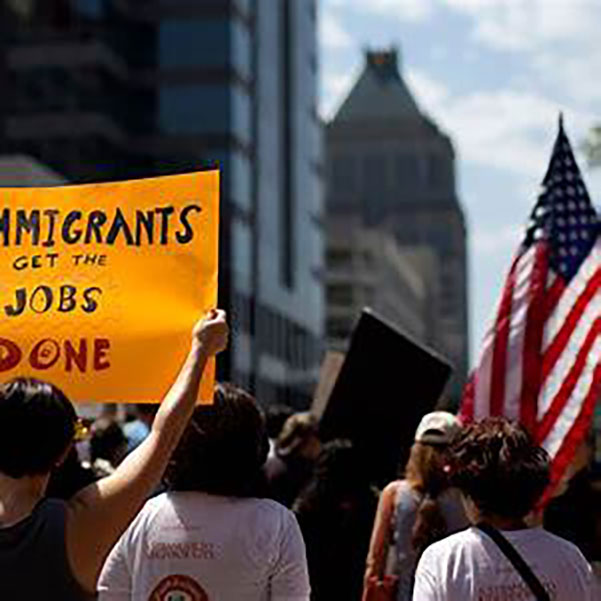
point(437, 427)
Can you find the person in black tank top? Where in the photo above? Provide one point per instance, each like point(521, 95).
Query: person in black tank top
point(36, 545)
point(51, 549)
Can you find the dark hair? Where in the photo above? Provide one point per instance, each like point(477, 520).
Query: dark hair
point(37, 425)
point(425, 473)
point(147, 409)
point(339, 473)
point(69, 478)
point(108, 441)
point(498, 466)
point(295, 432)
point(223, 448)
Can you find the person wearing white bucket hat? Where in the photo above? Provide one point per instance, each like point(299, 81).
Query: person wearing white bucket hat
point(438, 427)
point(415, 511)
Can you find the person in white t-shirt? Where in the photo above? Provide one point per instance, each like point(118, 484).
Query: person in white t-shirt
point(210, 537)
point(502, 475)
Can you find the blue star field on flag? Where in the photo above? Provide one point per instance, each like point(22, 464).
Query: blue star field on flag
point(564, 215)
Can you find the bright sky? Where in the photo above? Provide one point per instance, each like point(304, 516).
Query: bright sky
point(493, 74)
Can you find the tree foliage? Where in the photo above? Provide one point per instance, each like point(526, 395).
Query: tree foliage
point(592, 146)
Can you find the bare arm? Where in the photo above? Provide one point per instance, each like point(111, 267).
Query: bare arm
point(100, 512)
point(380, 535)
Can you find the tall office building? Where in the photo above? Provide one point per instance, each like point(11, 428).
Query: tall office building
point(111, 89)
point(366, 267)
point(390, 164)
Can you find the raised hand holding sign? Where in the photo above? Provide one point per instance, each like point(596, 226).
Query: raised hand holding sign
point(101, 284)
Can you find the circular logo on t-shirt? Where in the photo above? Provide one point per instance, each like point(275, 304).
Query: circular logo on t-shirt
point(178, 588)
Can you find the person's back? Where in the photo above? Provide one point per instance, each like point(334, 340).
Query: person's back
point(54, 549)
point(408, 501)
point(335, 514)
point(38, 542)
point(501, 473)
point(216, 547)
point(418, 510)
point(211, 537)
point(337, 543)
point(470, 566)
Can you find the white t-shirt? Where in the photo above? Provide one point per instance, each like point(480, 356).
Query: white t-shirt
point(469, 566)
point(197, 547)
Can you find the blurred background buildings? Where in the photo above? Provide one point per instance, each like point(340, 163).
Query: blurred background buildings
point(367, 267)
point(391, 170)
point(99, 90)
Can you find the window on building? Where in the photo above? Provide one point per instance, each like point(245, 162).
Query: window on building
point(241, 243)
point(407, 170)
point(46, 88)
point(193, 109)
point(339, 294)
point(436, 171)
point(92, 9)
point(339, 327)
point(375, 174)
point(344, 173)
point(440, 236)
point(337, 258)
point(369, 295)
point(194, 43)
point(448, 306)
point(409, 237)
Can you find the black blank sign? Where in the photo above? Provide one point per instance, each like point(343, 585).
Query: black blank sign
point(386, 384)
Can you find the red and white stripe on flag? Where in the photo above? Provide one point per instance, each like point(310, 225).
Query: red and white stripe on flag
point(540, 362)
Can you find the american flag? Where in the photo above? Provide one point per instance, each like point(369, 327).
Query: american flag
point(540, 362)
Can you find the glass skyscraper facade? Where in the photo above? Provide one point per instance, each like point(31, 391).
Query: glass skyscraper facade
point(101, 90)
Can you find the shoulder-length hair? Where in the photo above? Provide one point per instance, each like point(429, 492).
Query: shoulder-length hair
point(427, 475)
point(223, 449)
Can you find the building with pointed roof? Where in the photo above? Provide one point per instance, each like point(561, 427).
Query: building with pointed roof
point(379, 93)
point(389, 164)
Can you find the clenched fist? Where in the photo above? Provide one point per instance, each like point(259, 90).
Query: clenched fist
point(212, 332)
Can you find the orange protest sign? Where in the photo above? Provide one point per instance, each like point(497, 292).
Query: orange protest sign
point(100, 285)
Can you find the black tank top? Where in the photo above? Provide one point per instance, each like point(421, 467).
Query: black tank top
point(33, 558)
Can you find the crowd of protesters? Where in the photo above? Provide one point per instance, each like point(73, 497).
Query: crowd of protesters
point(226, 502)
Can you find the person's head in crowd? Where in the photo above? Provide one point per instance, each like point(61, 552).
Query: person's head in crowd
point(109, 411)
point(339, 475)
point(276, 415)
point(223, 449)
point(299, 438)
point(38, 425)
point(145, 412)
point(426, 473)
point(138, 428)
point(107, 442)
point(500, 470)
